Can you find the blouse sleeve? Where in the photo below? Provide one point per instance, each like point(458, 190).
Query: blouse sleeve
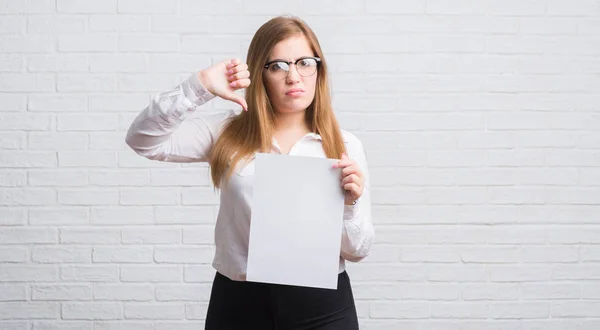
point(161, 131)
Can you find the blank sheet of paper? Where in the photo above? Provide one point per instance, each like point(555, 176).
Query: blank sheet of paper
point(296, 224)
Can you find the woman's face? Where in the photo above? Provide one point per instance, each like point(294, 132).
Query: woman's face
point(294, 90)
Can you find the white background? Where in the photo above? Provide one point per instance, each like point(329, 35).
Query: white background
point(481, 121)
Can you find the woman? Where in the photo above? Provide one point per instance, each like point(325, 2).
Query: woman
point(287, 110)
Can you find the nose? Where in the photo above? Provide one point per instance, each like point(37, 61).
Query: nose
point(292, 75)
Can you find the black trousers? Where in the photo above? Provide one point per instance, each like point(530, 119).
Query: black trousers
point(236, 305)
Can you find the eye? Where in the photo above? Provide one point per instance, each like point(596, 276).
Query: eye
point(307, 62)
point(278, 66)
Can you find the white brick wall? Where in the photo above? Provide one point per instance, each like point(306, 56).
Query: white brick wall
point(481, 121)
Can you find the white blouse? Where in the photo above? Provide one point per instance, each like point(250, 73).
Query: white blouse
point(162, 132)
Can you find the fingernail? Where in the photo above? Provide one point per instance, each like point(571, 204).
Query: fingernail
point(230, 71)
point(232, 84)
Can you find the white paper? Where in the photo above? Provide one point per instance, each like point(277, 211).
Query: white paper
point(296, 223)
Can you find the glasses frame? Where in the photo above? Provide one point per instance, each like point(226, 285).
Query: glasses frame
point(318, 60)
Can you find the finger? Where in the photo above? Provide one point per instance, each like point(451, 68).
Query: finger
point(233, 62)
point(238, 68)
point(353, 189)
point(343, 163)
point(239, 84)
point(237, 99)
point(344, 156)
point(239, 75)
point(352, 178)
point(352, 169)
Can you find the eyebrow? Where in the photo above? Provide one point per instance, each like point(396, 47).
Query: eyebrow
point(282, 60)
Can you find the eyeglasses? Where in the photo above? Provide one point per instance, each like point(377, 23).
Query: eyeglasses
point(306, 66)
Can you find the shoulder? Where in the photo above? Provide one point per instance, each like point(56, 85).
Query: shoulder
point(350, 139)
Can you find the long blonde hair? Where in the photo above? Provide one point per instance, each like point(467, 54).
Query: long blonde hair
point(252, 131)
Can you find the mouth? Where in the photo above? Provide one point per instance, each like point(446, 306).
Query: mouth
point(295, 92)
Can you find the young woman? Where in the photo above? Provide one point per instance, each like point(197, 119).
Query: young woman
point(287, 110)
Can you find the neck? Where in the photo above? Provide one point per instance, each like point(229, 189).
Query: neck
point(294, 121)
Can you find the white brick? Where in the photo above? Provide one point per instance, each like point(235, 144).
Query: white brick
point(533, 254)
point(151, 235)
point(120, 23)
point(121, 215)
point(583, 8)
point(590, 253)
point(58, 141)
point(183, 292)
point(29, 310)
point(386, 7)
point(178, 63)
point(14, 254)
point(180, 177)
point(149, 196)
point(55, 24)
point(541, 291)
point(27, 6)
point(58, 178)
point(118, 63)
point(12, 24)
point(573, 235)
point(122, 255)
point(466, 310)
point(120, 177)
point(28, 273)
point(196, 311)
point(90, 236)
point(13, 292)
point(560, 309)
point(456, 273)
point(9, 178)
point(211, 8)
point(80, 82)
point(87, 159)
point(220, 44)
point(57, 103)
point(148, 7)
point(89, 273)
point(516, 8)
point(152, 273)
point(154, 311)
point(118, 103)
point(12, 216)
point(158, 43)
point(151, 83)
point(462, 7)
point(526, 273)
point(61, 292)
point(184, 215)
point(429, 254)
point(86, 6)
point(62, 325)
point(576, 272)
point(92, 311)
point(186, 255)
point(11, 62)
point(27, 82)
point(88, 197)
point(174, 24)
point(126, 292)
point(13, 102)
point(481, 254)
point(32, 43)
point(403, 310)
point(28, 122)
point(58, 63)
point(517, 235)
point(28, 196)
point(51, 254)
point(590, 291)
point(519, 310)
point(490, 291)
point(388, 272)
point(59, 216)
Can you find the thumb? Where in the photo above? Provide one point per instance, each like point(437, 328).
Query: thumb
point(239, 100)
point(344, 156)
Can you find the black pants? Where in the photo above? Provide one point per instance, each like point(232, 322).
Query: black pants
point(236, 305)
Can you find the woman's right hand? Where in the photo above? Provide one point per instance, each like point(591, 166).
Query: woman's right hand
point(224, 78)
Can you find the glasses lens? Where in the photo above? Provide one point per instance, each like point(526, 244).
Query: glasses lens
point(278, 70)
point(307, 67)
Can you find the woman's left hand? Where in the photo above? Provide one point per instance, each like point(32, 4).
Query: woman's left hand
point(352, 179)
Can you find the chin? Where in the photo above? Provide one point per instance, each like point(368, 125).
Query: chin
point(294, 106)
